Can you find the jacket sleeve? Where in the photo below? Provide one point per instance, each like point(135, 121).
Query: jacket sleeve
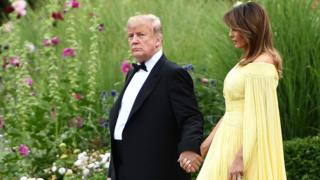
point(262, 138)
point(185, 108)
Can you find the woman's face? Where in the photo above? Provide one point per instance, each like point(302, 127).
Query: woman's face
point(237, 39)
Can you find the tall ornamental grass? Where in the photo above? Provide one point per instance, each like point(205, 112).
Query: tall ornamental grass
point(296, 26)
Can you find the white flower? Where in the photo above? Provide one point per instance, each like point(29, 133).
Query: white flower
point(82, 155)
point(90, 166)
point(54, 168)
point(78, 163)
point(30, 47)
point(23, 178)
point(105, 158)
point(40, 179)
point(7, 27)
point(85, 172)
point(62, 171)
point(69, 172)
point(106, 165)
point(96, 165)
point(237, 3)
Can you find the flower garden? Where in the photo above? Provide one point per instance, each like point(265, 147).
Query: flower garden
point(63, 63)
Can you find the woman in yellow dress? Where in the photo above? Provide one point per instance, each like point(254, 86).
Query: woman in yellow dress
point(247, 143)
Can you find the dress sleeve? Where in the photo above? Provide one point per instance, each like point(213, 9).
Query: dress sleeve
point(262, 138)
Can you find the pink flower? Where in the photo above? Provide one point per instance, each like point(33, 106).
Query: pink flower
point(19, 7)
point(68, 52)
point(74, 4)
point(55, 40)
point(14, 61)
point(76, 122)
point(57, 16)
point(125, 67)
point(1, 122)
point(24, 150)
point(101, 27)
point(77, 96)
point(53, 113)
point(29, 81)
point(204, 80)
point(46, 42)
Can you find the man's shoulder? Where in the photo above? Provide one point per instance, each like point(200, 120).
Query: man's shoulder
point(170, 65)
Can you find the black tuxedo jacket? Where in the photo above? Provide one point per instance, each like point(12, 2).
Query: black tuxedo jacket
point(164, 121)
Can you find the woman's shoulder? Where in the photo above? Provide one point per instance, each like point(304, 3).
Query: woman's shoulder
point(265, 58)
point(262, 66)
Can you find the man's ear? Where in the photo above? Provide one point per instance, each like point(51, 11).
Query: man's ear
point(158, 41)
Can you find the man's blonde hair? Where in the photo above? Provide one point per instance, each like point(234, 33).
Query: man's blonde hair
point(150, 18)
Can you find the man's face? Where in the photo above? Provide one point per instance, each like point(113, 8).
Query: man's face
point(142, 41)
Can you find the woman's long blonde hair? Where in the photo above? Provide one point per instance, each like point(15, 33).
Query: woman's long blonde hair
point(252, 21)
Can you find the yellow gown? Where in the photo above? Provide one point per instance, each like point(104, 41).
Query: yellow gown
point(251, 120)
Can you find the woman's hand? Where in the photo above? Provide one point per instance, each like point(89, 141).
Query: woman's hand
point(204, 148)
point(205, 145)
point(236, 170)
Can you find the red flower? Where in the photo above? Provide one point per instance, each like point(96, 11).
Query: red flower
point(8, 9)
point(55, 40)
point(57, 16)
point(5, 62)
point(1, 122)
point(77, 96)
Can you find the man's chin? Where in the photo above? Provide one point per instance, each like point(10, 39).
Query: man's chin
point(138, 57)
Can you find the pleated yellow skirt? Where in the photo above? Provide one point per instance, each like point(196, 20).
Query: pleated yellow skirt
point(225, 145)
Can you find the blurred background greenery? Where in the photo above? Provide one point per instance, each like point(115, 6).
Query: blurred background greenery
point(194, 33)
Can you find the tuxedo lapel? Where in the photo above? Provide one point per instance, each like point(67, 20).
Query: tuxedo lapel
point(148, 86)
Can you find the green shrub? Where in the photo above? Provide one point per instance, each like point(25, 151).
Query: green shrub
point(302, 158)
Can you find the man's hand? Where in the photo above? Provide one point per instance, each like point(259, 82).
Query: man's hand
point(108, 178)
point(190, 161)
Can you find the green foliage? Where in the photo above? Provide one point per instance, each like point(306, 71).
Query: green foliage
point(296, 33)
point(70, 97)
point(302, 158)
point(210, 100)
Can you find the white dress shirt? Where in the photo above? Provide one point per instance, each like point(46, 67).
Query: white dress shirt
point(131, 93)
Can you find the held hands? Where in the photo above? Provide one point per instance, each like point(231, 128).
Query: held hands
point(237, 167)
point(190, 161)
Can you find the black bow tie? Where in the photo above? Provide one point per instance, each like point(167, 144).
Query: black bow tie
point(137, 67)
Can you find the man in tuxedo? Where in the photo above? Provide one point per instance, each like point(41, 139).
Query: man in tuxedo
point(155, 125)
